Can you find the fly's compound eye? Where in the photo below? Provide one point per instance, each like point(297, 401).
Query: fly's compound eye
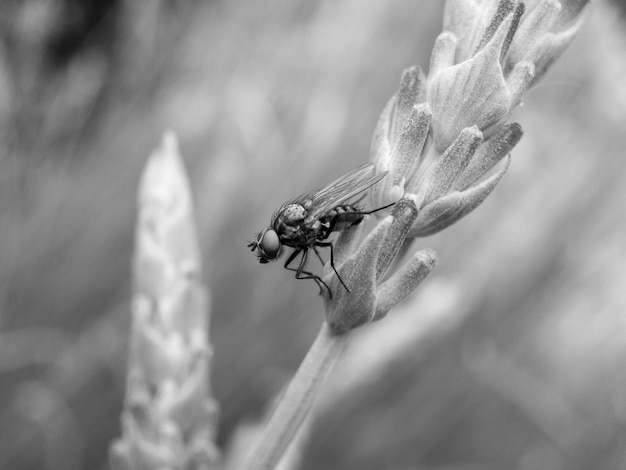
point(269, 244)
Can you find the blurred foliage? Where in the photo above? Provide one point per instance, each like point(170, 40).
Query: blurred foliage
point(512, 354)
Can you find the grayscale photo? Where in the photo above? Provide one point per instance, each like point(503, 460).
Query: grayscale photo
point(312, 234)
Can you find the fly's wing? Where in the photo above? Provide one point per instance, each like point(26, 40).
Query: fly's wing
point(342, 189)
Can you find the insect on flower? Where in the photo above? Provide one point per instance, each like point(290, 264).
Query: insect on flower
point(307, 221)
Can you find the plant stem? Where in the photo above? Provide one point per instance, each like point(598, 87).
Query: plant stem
point(296, 400)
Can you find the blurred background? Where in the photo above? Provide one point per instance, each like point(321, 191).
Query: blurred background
point(512, 353)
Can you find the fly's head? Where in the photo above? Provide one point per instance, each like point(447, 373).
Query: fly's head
point(267, 245)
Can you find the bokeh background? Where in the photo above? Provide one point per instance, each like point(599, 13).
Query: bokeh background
point(511, 355)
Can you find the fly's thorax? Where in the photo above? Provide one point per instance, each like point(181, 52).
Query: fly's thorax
point(288, 220)
point(292, 229)
point(298, 236)
point(292, 214)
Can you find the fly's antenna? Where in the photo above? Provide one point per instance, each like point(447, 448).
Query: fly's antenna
point(254, 244)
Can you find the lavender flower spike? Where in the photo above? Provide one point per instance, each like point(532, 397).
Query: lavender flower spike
point(451, 150)
point(169, 418)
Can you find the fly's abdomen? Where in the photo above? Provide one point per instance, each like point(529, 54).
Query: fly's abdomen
point(342, 217)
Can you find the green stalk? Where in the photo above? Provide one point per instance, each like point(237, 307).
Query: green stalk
point(297, 400)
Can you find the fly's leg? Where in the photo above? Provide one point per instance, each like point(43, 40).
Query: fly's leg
point(332, 259)
point(363, 212)
point(307, 274)
point(331, 226)
point(319, 257)
point(328, 230)
point(379, 209)
point(300, 269)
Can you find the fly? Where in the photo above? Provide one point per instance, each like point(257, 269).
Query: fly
point(307, 221)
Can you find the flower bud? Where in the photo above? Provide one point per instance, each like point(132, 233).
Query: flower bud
point(371, 295)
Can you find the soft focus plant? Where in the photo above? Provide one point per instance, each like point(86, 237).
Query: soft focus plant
point(169, 417)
